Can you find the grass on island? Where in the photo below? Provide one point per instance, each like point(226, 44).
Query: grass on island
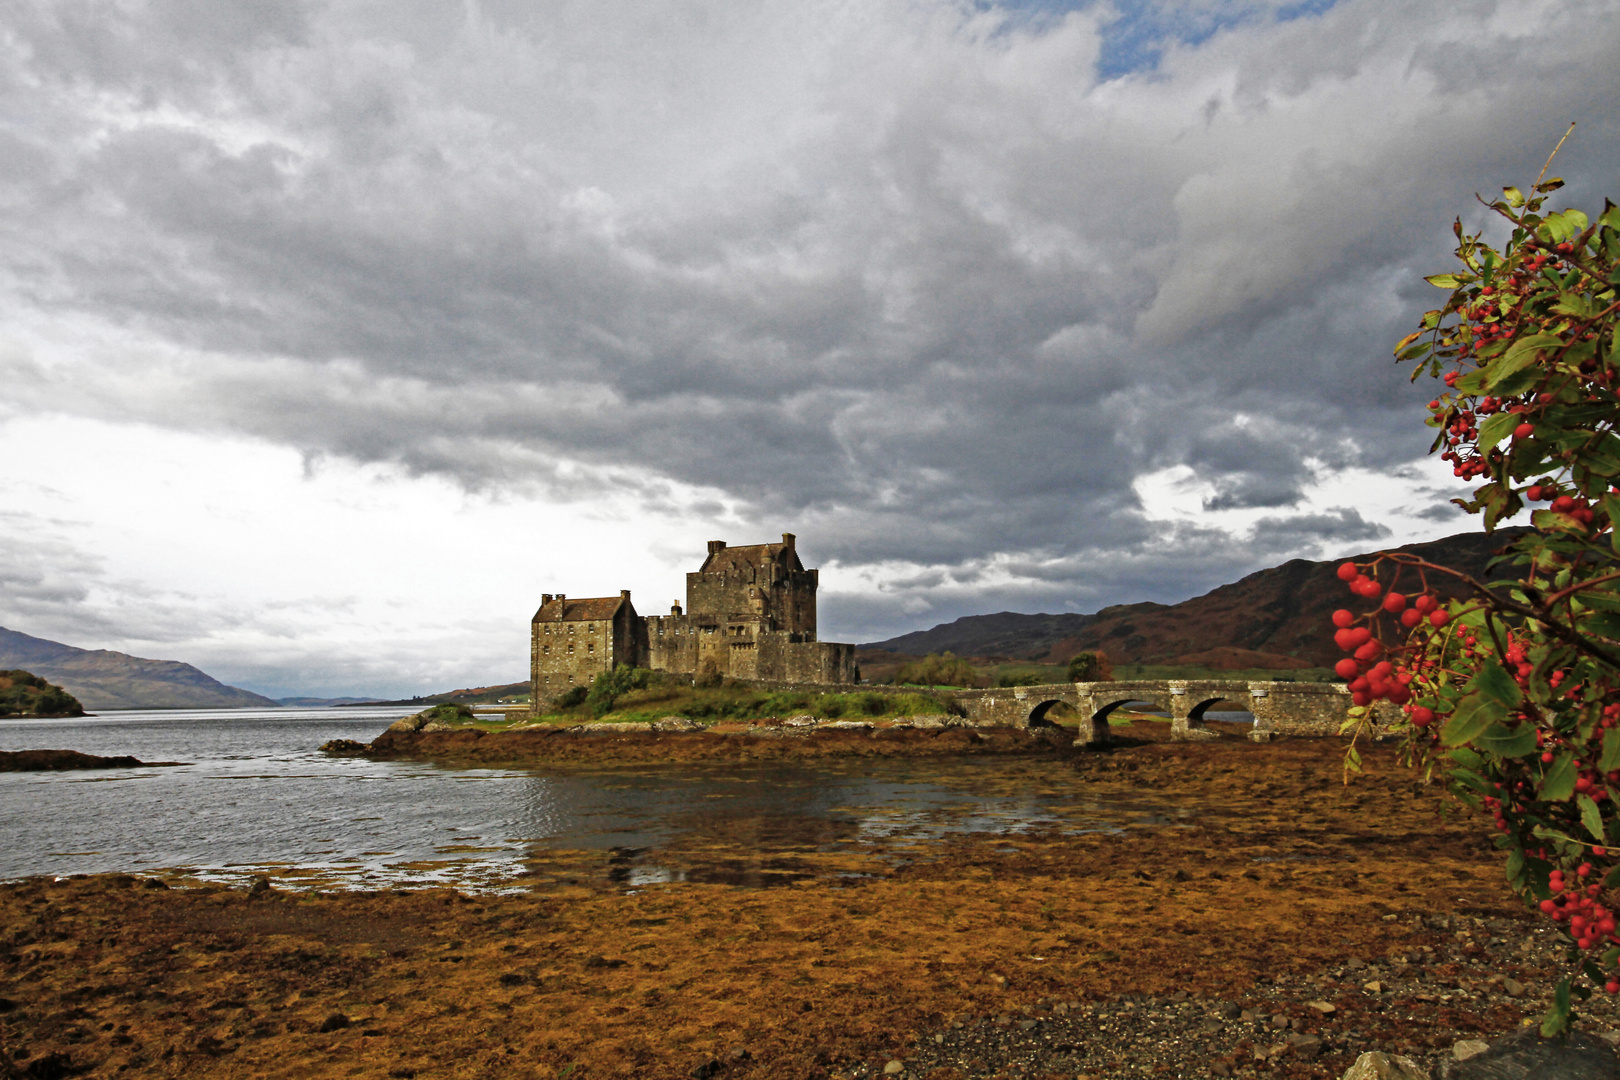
point(650, 695)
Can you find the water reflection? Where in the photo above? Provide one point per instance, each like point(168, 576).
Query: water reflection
point(257, 798)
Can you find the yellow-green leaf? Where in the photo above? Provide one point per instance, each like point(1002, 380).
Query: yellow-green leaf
point(1443, 281)
point(1521, 354)
point(1407, 340)
point(1496, 429)
point(1496, 684)
point(1559, 782)
point(1611, 751)
point(1514, 197)
point(1590, 817)
point(1473, 715)
point(1503, 741)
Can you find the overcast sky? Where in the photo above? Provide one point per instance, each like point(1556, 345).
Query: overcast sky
point(332, 333)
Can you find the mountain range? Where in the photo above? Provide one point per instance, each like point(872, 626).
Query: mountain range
point(102, 679)
point(1276, 618)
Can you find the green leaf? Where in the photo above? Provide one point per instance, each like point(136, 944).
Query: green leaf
point(1472, 716)
point(1590, 817)
point(1508, 742)
point(1444, 281)
point(1611, 506)
point(1559, 782)
point(1610, 760)
point(1515, 867)
point(1521, 354)
point(1468, 778)
point(1495, 430)
point(1556, 1022)
point(1495, 683)
point(1514, 197)
point(1465, 757)
point(1473, 382)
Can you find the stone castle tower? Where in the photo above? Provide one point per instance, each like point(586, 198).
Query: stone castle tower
point(750, 614)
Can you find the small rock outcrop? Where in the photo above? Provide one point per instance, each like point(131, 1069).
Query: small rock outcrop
point(344, 747)
point(1381, 1066)
point(445, 717)
point(1525, 1055)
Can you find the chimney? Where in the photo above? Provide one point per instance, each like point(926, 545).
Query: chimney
point(716, 545)
point(787, 540)
point(545, 598)
point(675, 608)
point(624, 594)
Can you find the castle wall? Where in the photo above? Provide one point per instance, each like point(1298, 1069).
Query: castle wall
point(567, 654)
point(751, 614)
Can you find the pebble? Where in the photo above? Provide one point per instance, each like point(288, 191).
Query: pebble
point(1395, 1018)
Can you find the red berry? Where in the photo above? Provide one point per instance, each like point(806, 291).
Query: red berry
point(1394, 602)
point(1425, 603)
point(1347, 668)
point(1348, 572)
point(1438, 619)
point(1343, 618)
point(1422, 717)
point(1411, 617)
point(1524, 430)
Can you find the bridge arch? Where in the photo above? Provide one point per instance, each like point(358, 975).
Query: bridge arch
point(1037, 715)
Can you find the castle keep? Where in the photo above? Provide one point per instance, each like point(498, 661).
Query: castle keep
point(750, 614)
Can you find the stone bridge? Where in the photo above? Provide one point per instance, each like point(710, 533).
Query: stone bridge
point(1279, 708)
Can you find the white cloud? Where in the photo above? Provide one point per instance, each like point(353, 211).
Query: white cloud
point(910, 278)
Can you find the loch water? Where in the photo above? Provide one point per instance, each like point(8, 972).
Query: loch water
point(255, 796)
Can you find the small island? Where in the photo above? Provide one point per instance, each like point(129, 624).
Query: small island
point(24, 694)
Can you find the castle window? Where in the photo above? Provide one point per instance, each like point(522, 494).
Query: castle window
point(545, 648)
point(570, 647)
point(591, 647)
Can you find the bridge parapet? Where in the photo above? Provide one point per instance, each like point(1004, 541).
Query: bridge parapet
point(1279, 708)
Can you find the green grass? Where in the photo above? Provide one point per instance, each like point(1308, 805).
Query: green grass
point(661, 698)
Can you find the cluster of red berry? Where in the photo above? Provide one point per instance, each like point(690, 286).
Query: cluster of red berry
point(1576, 506)
point(1370, 677)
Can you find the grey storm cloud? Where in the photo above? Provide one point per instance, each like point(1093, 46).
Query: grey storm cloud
point(909, 274)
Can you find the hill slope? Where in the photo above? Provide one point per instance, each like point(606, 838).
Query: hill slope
point(102, 679)
point(1275, 618)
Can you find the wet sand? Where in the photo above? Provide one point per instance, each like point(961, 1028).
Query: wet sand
point(1284, 876)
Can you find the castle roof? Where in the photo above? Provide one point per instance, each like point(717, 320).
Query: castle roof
point(583, 609)
point(751, 556)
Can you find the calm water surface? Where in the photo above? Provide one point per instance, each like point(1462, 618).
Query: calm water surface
point(256, 796)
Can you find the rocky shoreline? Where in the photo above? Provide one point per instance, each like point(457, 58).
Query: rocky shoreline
point(678, 739)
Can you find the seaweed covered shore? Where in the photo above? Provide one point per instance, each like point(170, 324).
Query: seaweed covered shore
point(1291, 924)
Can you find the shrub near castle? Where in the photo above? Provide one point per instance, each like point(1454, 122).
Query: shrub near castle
point(1515, 692)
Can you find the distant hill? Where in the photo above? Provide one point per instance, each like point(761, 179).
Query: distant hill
point(1276, 618)
point(102, 679)
point(473, 695)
